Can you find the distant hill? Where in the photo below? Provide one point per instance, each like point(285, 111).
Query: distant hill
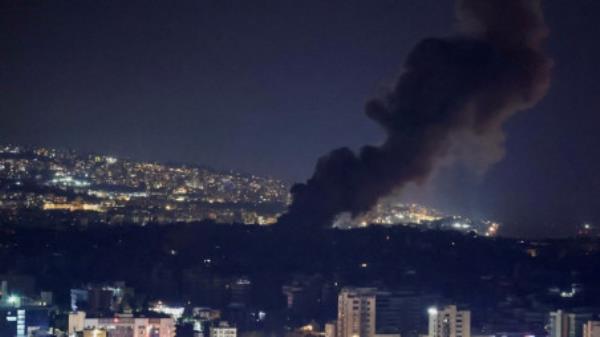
point(55, 186)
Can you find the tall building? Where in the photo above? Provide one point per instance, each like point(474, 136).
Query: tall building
point(449, 322)
point(364, 312)
point(356, 312)
point(567, 324)
point(591, 329)
point(402, 312)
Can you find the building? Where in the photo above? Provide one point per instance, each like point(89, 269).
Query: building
point(356, 312)
point(240, 290)
point(567, 324)
point(368, 312)
point(100, 299)
point(92, 299)
point(591, 329)
point(21, 315)
point(123, 325)
point(449, 322)
point(23, 285)
point(206, 314)
point(562, 324)
point(330, 329)
point(76, 322)
point(24, 321)
point(103, 298)
point(95, 333)
point(78, 297)
point(402, 312)
point(223, 330)
point(306, 296)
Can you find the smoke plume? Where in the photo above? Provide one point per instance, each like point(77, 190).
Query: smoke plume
point(454, 93)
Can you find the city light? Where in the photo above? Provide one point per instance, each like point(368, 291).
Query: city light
point(172, 311)
point(105, 189)
point(13, 299)
point(391, 213)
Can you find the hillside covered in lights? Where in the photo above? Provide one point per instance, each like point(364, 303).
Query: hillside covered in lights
point(51, 186)
point(58, 186)
point(391, 213)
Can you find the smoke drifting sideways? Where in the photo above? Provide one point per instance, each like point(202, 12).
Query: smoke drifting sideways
point(454, 92)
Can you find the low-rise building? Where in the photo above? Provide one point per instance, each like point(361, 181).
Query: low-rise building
point(591, 329)
point(123, 325)
point(223, 330)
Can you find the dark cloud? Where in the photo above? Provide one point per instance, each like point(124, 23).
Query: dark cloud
point(452, 100)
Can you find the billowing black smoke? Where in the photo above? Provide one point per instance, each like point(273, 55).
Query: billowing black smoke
point(453, 91)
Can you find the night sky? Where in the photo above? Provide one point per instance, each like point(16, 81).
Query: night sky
point(267, 87)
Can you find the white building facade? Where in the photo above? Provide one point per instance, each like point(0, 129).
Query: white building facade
point(223, 330)
point(123, 325)
point(591, 329)
point(449, 322)
point(356, 312)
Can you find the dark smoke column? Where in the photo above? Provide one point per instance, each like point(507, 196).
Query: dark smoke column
point(453, 91)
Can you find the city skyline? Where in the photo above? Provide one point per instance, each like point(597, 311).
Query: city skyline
point(47, 186)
